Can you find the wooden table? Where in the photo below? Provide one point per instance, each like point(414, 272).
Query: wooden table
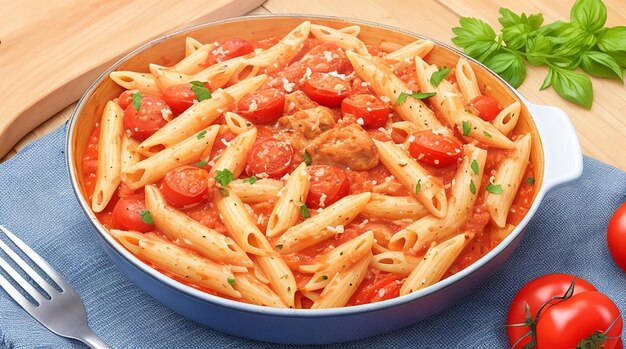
point(602, 130)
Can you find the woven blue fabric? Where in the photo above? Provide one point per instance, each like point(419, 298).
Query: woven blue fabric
point(37, 203)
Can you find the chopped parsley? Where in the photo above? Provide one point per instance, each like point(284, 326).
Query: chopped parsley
point(466, 128)
point(530, 180)
point(324, 277)
point(223, 191)
point(201, 134)
point(201, 163)
point(494, 189)
point(200, 90)
point(231, 281)
point(438, 76)
point(146, 217)
point(487, 134)
point(279, 246)
point(417, 95)
point(136, 100)
point(251, 180)
point(304, 211)
point(224, 177)
point(472, 187)
point(307, 159)
point(474, 167)
point(418, 186)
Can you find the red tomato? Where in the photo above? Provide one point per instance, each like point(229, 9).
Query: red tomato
point(269, 156)
point(369, 108)
point(229, 49)
point(487, 106)
point(616, 236)
point(329, 182)
point(262, 106)
point(127, 215)
point(144, 122)
point(180, 97)
point(536, 293)
point(126, 98)
point(385, 288)
point(572, 322)
point(434, 149)
point(186, 185)
point(326, 90)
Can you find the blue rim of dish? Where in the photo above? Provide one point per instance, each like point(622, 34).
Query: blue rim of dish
point(282, 312)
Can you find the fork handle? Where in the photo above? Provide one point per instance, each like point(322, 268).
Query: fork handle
point(92, 340)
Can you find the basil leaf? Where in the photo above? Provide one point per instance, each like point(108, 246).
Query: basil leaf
point(476, 37)
point(200, 90)
point(467, 128)
point(538, 49)
point(231, 281)
point(613, 40)
point(417, 95)
point(224, 177)
point(251, 180)
point(547, 82)
point(418, 187)
point(307, 158)
point(201, 163)
point(509, 18)
point(146, 217)
point(438, 76)
point(590, 15)
point(516, 36)
point(601, 65)
point(136, 100)
point(304, 211)
point(510, 67)
point(494, 189)
point(575, 87)
point(224, 192)
point(472, 187)
point(201, 134)
point(474, 167)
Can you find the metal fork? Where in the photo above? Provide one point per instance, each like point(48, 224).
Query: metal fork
point(62, 312)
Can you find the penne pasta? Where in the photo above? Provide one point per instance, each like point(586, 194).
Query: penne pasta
point(191, 45)
point(193, 235)
point(506, 120)
point(407, 52)
point(465, 187)
point(254, 291)
point(234, 156)
point(507, 179)
point(430, 194)
point(389, 87)
point(394, 207)
point(197, 270)
point(345, 40)
point(343, 285)
point(262, 190)
point(217, 75)
point(323, 225)
point(143, 82)
point(109, 156)
point(395, 262)
point(287, 209)
point(130, 155)
point(236, 123)
point(280, 276)
point(187, 152)
point(474, 127)
point(435, 263)
point(193, 62)
point(466, 80)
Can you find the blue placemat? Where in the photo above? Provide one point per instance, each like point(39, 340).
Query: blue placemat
point(37, 203)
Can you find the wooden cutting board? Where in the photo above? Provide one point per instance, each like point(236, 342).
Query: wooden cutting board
point(49, 53)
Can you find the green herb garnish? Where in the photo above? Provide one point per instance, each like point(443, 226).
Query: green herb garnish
point(200, 90)
point(418, 186)
point(201, 163)
point(494, 189)
point(530, 180)
point(279, 246)
point(307, 159)
point(231, 281)
point(251, 180)
point(146, 217)
point(474, 167)
point(417, 95)
point(466, 128)
point(472, 187)
point(224, 192)
point(487, 134)
point(224, 177)
point(201, 134)
point(324, 277)
point(438, 76)
point(304, 211)
point(137, 100)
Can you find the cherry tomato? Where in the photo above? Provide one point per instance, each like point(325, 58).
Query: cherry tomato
point(572, 322)
point(262, 106)
point(536, 293)
point(269, 156)
point(326, 90)
point(386, 288)
point(180, 97)
point(434, 149)
point(487, 106)
point(328, 182)
point(144, 122)
point(125, 98)
point(616, 236)
point(229, 49)
point(127, 215)
point(372, 111)
point(186, 185)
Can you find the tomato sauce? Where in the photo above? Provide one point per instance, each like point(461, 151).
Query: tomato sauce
point(314, 58)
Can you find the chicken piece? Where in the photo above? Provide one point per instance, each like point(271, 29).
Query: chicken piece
point(298, 101)
point(310, 122)
point(344, 147)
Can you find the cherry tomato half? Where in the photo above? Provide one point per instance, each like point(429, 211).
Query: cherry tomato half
point(127, 215)
point(616, 236)
point(386, 288)
point(326, 89)
point(572, 322)
point(271, 157)
point(262, 106)
point(373, 112)
point(144, 122)
point(535, 294)
point(180, 97)
point(435, 149)
point(327, 182)
point(487, 106)
point(186, 185)
point(126, 98)
point(229, 49)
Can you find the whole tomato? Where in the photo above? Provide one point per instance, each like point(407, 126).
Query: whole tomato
point(616, 236)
